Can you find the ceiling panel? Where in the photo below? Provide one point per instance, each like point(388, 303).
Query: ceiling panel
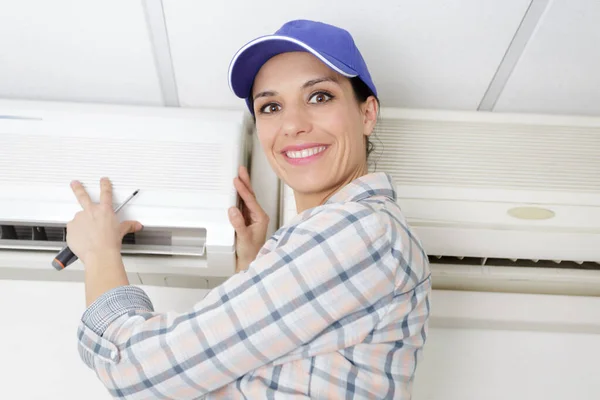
point(559, 70)
point(77, 51)
point(433, 53)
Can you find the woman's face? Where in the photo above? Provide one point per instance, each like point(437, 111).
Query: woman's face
point(309, 123)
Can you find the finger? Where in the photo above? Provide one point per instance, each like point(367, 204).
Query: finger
point(248, 198)
point(237, 221)
point(81, 194)
point(129, 227)
point(245, 177)
point(106, 192)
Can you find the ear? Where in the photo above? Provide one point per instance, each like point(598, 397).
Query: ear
point(370, 110)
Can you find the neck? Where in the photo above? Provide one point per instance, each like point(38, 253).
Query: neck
point(304, 201)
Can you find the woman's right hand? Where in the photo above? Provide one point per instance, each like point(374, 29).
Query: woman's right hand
point(250, 224)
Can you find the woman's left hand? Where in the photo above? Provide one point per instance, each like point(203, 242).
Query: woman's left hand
point(96, 231)
point(250, 225)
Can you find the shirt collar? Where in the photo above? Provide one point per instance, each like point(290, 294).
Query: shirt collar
point(373, 184)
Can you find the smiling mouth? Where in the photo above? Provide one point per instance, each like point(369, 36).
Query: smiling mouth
point(305, 153)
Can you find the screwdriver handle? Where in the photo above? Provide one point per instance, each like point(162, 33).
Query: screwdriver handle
point(64, 258)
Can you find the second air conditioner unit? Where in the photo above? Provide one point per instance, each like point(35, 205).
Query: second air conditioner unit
point(496, 197)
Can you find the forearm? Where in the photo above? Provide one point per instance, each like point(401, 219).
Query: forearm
point(180, 354)
point(103, 272)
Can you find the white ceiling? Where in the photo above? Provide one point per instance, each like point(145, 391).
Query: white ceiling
point(76, 51)
point(426, 54)
point(420, 53)
point(559, 72)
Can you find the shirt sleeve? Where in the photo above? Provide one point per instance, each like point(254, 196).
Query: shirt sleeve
point(322, 270)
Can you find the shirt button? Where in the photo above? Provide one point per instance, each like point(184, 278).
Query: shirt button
point(113, 355)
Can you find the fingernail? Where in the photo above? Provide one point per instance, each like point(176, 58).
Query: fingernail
point(74, 182)
point(231, 212)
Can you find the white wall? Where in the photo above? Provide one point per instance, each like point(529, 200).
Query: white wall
point(477, 364)
point(40, 361)
point(38, 339)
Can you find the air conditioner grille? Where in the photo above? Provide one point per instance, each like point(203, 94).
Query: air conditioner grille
point(196, 167)
point(489, 155)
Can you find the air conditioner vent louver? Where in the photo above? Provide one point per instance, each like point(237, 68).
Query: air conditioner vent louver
point(43, 233)
point(50, 237)
point(49, 233)
point(505, 262)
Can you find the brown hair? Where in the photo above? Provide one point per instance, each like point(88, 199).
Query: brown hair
point(362, 93)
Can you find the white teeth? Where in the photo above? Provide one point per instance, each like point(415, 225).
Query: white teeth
point(305, 153)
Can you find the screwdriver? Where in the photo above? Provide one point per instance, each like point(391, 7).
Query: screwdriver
point(66, 257)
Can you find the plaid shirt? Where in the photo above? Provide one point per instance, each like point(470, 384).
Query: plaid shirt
point(335, 306)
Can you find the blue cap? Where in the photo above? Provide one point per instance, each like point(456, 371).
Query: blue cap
point(332, 45)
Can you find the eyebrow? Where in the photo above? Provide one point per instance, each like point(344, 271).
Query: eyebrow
point(313, 82)
point(307, 84)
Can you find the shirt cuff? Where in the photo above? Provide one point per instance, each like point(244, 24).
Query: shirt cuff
point(114, 303)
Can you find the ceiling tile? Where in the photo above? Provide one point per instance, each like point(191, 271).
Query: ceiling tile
point(559, 70)
point(77, 51)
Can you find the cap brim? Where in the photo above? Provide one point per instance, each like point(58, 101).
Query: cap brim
point(249, 59)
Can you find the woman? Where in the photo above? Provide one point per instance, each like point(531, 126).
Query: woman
point(334, 305)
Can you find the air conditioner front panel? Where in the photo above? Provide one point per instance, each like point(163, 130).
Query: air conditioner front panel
point(48, 213)
point(502, 216)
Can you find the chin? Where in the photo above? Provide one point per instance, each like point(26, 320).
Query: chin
point(308, 182)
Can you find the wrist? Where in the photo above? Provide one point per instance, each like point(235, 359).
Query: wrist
point(103, 272)
point(243, 264)
point(102, 259)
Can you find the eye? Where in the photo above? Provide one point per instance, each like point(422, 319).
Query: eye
point(270, 108)
point(320, 97)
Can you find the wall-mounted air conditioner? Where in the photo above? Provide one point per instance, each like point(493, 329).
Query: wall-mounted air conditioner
point(182, 160)
point(500, 201)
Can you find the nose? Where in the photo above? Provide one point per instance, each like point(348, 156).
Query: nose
point(295, 121)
